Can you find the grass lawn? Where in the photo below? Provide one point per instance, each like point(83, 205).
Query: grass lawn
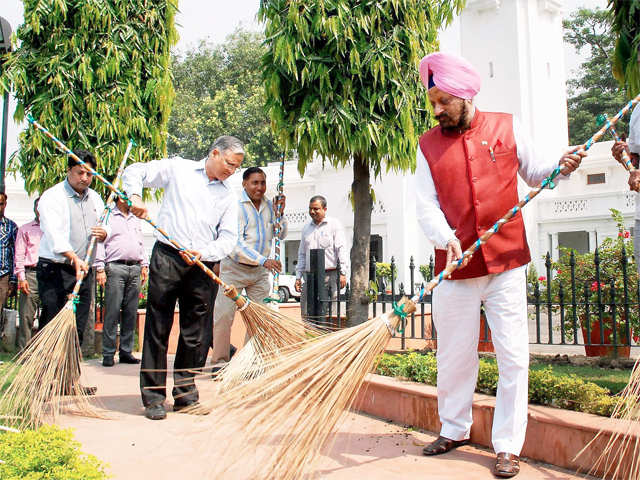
point(613, 379)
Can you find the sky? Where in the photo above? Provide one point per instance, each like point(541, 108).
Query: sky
point(214, 20)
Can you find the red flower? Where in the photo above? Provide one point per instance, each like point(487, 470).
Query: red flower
point(542, 278)
point(594, 286)
point(559, 271)
point(636, 338)
point(619, 234)
point(627, 234)
point(141, 295)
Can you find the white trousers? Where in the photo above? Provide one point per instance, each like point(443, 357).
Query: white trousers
point(456, 314)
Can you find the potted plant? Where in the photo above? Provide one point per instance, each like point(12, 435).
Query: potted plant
point(599, 296)
point(383, 274)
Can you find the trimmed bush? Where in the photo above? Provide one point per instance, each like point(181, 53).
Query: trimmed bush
point(48, 453)
point(545, 387)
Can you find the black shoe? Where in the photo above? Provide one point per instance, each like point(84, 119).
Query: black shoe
point(107, 361)
point(155, 412)
point(182, 406)
point(128, 358)
point(90, 391)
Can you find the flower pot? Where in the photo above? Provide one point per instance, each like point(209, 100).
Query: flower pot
point(606, 350)
point(484, 342)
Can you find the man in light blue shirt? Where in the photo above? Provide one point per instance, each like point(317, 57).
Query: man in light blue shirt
point(199, 210)
point(249, 265)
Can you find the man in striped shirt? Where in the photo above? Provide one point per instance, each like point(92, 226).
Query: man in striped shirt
point(8, 231)
point(248, 266)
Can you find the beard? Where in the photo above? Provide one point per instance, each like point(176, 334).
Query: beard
point(455, 126)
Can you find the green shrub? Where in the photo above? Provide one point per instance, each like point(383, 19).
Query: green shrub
point(48, 453)
point(545, 387)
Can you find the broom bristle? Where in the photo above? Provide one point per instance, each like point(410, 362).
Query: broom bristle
point(620, 456)
point(43, 374)
point(297, 401)
point(270, 332)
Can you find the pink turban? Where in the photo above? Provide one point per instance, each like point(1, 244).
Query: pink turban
point(451, 74)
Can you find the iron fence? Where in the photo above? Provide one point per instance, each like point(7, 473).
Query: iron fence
point(563, 310)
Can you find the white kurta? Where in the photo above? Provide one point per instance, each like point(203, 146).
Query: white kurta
point(456, 314)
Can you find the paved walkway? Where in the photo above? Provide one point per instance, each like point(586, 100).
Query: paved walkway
point(365, 448)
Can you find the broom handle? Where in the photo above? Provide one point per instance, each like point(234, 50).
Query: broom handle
point(547, 182)
point(103, 218)
point(230, 292)
point(276, 274)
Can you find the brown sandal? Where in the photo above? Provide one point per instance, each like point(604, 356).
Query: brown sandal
point(507, 465)
point(443, 445)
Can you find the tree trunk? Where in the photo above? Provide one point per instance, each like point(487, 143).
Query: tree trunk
point(358, 307)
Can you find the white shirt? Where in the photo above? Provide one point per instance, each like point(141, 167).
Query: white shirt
point(55, 221)
point(429, 215)
point(329, 235)
point(200, 214)
point(634, 144)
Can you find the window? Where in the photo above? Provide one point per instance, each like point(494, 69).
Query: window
point(579, 241)
point(595, 178)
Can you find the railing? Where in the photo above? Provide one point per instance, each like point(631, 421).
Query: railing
point(593, 314)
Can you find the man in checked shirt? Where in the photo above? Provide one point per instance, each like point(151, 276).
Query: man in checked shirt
point(8, 231)
point(249, 264)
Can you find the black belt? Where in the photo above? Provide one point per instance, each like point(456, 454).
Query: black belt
point(175, 252)
point(126, 262)
point(30, 268)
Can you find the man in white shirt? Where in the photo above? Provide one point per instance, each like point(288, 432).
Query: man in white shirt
point(69, 214)
point(325, 233)
point(632, 147)
point(249, 265)
point(200, 211)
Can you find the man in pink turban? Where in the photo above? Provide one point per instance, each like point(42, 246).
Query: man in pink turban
point(466, 179)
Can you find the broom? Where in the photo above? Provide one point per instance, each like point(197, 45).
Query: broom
point(305, 391)
point(49, 368)
point(274, 296)
point(625, 444)
point(269, 327)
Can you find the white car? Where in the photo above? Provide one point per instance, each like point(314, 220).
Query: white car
point(287, 289)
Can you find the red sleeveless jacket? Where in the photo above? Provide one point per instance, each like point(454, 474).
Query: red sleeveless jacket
point(476, 188)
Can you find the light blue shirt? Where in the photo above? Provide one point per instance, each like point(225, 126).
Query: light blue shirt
point(198, 213)
point(256, 230)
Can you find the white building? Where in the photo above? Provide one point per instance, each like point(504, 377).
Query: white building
point(517, 47)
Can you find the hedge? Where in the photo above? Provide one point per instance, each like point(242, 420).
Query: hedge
point(545, 388)
point(48, 453)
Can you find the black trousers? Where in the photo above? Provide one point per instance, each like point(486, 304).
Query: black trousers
point(171, 279)
point(55, 283)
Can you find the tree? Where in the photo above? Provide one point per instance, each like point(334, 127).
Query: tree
point(593, 90)
point(342, 83)
point(219, 91)
point(95, 73)
point(626, 25)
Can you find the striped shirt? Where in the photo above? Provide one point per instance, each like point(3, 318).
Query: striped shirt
point(27, 244)
point(256, 230)
point(8, 231)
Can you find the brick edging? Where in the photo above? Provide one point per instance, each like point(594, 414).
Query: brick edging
point(554, 436)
